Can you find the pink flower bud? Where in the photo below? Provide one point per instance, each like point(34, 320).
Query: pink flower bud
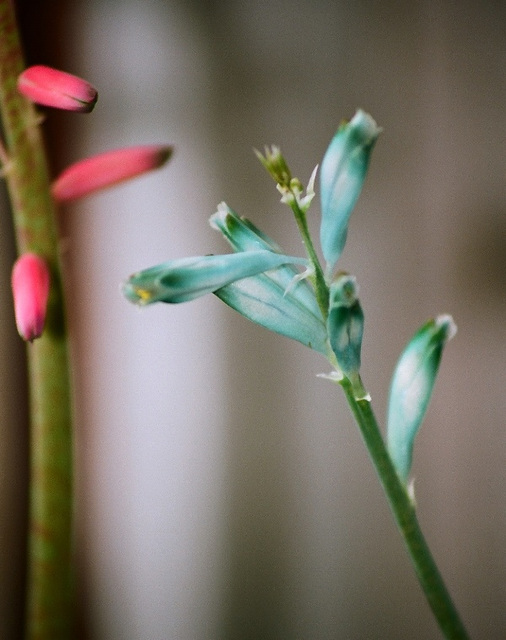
point(107, 169)
point(53, 88)
point(30, 288)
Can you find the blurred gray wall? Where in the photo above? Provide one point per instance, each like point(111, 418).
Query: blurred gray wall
point(223, 490)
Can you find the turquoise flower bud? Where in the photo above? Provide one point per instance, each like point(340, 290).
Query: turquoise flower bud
point(345, 326)
point(271, 299)
point(342, 174)
point(189, 278)
point(411, 389)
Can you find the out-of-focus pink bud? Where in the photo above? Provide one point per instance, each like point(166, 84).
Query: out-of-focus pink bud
point(107, 169)
point(53, 88)
point(30, 288)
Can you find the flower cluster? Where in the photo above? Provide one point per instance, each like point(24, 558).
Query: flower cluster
point(261, 282)
point(53, 88)
point(318, 306)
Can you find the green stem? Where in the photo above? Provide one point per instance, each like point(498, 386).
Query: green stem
point(321, 289)
point(50, 592)
point(405, 516)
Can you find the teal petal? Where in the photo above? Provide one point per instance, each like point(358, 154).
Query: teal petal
point(342, 175)
point(243, 235)
point(271, 299)
point(345, 326)
point(188, 278)
point(411, 389)
point(262, 299)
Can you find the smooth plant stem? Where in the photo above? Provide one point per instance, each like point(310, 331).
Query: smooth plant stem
point(321, 289)
point(49, 611)
point(405, 516)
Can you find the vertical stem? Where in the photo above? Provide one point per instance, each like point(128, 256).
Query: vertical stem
point(405, 516)
point(50, 593)
point(321, 289)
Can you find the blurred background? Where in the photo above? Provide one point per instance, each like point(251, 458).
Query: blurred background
point(223, 491)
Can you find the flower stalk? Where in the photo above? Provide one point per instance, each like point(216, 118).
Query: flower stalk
point(320, 286)
point(291, 190)
point(49, 611)
point(404, 512)
point(327, 318)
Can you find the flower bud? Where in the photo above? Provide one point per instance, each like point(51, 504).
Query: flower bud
point(108, 169)
point(342, 175)
point(411, 389)
point(275, 165)
point(189, 278)
point(52, 88)
point(345, 326)
point(30, 288)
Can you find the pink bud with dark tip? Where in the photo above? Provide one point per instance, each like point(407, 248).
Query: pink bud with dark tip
point(108, 169)
point(30, 288)
point(52, 88)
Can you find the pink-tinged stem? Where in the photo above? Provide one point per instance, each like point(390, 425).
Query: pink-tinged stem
point(50, 591)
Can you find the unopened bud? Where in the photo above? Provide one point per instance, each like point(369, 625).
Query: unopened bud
point(189, 278)
point(345, 325)
point(30, 288)
point(53, 88)
point(108, 169)
point(411, 389)
point(276, 165)
point(342, 175)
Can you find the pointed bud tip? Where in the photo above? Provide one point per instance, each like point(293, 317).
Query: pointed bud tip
point(445, 320)
point(30, 288)
point(53, 88)
point(108, 169)
point(366, 125)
